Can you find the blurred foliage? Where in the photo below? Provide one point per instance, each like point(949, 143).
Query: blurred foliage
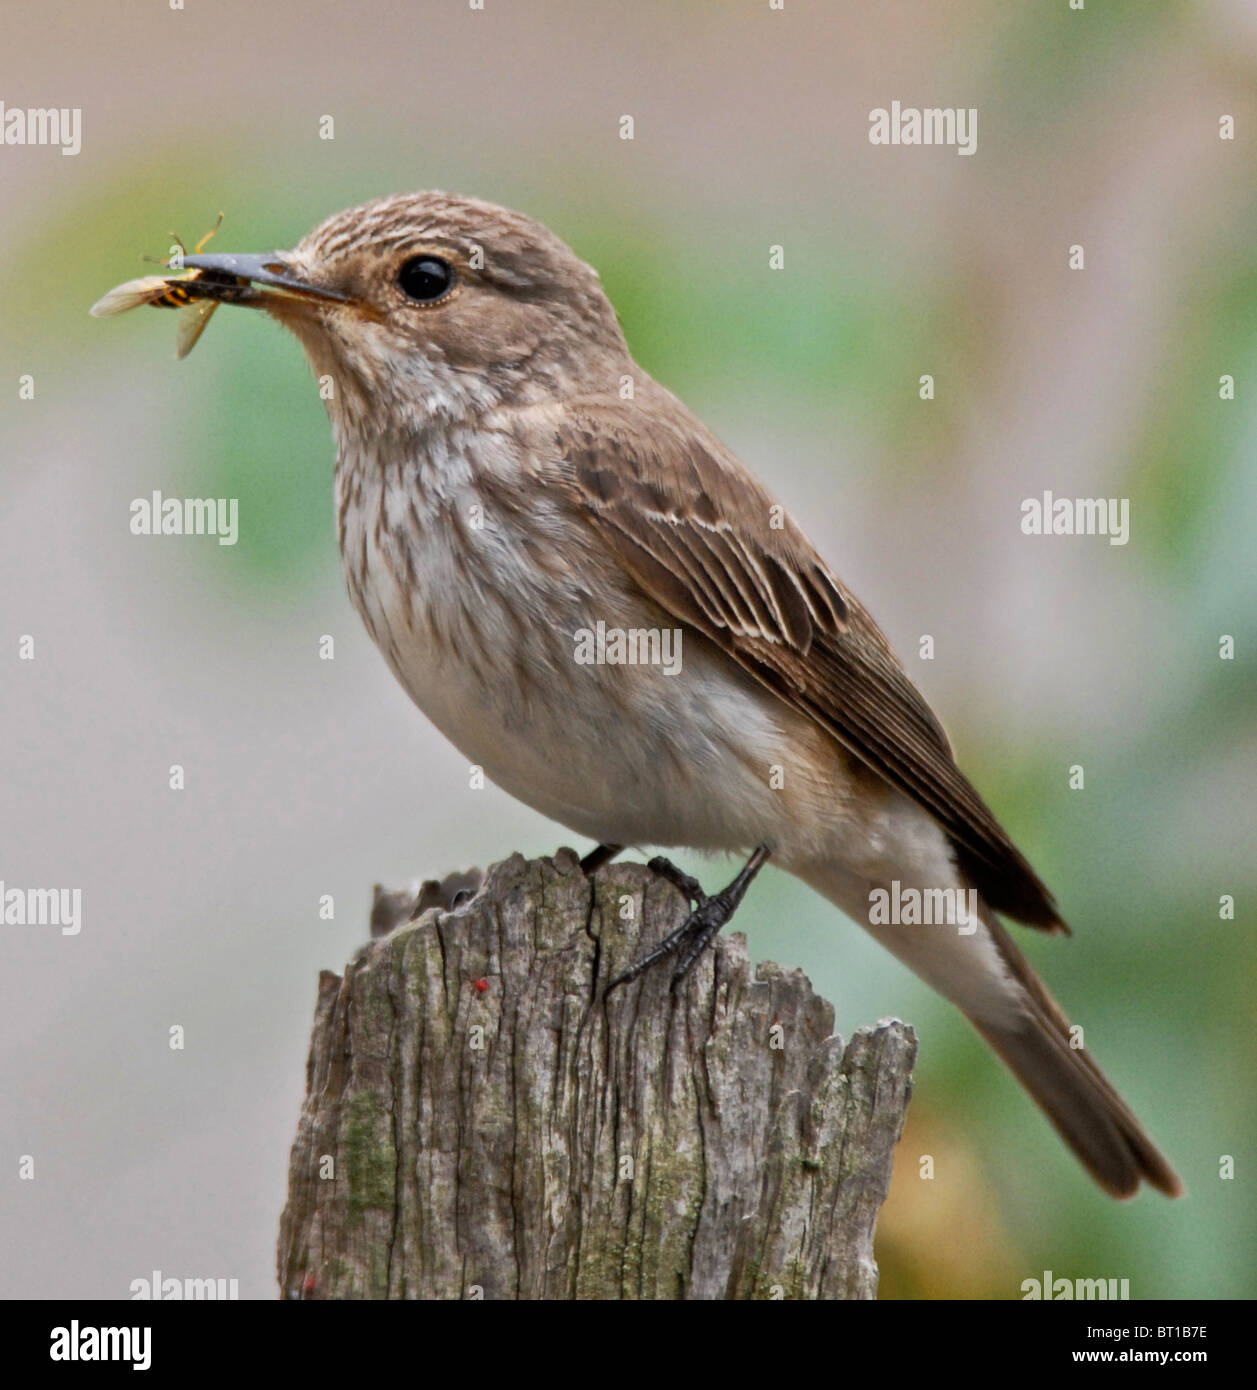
point(1193, 439)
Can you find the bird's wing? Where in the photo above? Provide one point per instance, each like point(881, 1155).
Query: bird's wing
point(705, 541)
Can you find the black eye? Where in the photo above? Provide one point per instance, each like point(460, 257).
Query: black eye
point(425, 278)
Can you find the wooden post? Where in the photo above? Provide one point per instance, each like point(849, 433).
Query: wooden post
point(480, 1122)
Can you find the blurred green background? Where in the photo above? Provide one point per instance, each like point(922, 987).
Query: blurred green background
point(1098, 128)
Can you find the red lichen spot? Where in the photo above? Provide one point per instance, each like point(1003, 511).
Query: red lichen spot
point(308, 1287)
point(481, 985)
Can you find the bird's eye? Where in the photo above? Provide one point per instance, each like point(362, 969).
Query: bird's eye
point(426, 278)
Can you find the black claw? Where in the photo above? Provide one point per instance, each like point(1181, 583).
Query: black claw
point(706, 930)
point(703, 924)
point(691, 887)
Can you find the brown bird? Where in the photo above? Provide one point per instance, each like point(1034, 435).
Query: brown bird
point(509, 482)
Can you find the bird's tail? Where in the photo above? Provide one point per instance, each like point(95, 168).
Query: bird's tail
point(1069, 1088)
point(989, 979)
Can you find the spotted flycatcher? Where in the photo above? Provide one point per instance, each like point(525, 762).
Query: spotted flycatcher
point(509, 483)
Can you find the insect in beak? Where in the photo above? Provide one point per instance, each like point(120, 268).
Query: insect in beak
point(195, 293)
point(201, 283)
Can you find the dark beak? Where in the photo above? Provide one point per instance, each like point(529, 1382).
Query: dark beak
point(251, 280)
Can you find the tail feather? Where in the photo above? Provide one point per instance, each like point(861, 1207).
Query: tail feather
point(993, 984)
point(1070, 1089)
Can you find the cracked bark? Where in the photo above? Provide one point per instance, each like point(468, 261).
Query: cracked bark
point(480, 1123)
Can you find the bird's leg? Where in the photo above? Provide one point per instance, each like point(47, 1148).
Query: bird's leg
point(597, 857)
point(701, 927)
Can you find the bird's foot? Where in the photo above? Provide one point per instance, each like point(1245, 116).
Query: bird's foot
point(702, 926)
point(597, 857)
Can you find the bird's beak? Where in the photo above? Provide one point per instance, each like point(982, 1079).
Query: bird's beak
point(256, 281)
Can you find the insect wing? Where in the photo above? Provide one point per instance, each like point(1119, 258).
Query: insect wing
point(192, 321)
point(129, 296)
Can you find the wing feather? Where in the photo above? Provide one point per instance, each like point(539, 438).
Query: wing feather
point(701, 537)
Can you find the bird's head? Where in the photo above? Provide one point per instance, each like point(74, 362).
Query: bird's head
point(432, 306)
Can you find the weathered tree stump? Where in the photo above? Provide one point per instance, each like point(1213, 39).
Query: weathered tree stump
point(479, 1121)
